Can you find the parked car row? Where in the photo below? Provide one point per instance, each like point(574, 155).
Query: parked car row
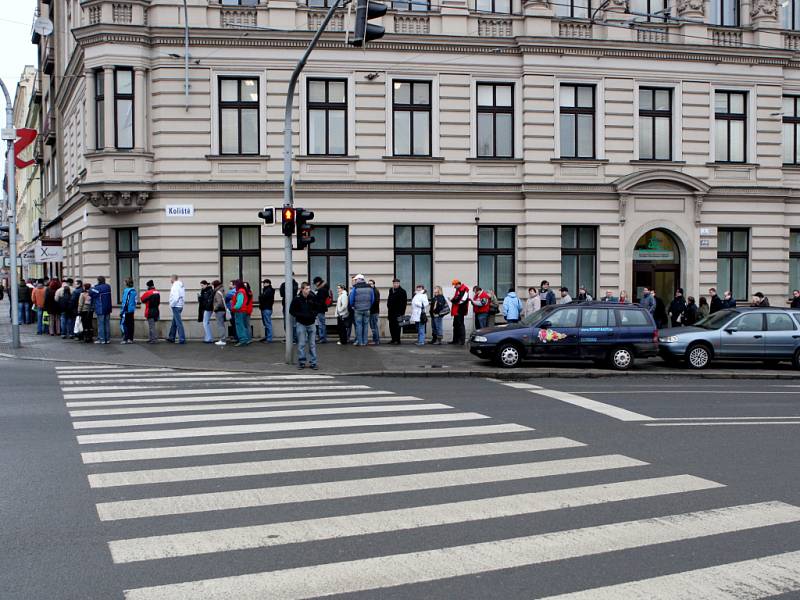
point(617, 335)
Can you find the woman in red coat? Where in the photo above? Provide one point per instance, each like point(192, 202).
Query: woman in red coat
point(242, 308)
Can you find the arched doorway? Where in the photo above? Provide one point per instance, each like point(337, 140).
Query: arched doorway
point(656, 265)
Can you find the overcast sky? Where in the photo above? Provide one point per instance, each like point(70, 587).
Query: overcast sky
point(16, 50)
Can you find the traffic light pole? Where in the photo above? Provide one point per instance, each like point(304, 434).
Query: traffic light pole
point(11, 197)
point(287, 175)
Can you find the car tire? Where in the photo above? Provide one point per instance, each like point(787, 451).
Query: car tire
point(796, 359)
point(508, 355)
point(698, 356)
point(620, 358)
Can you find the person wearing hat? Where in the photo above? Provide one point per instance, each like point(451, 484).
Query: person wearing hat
point(361, 299)
point(677, 308)
point(151, 299)
point(205, 310)
point(396, 304)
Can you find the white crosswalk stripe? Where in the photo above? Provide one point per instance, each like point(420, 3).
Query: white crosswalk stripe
point(159, 453)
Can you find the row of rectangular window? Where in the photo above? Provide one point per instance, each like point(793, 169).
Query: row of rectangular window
point(240, 256)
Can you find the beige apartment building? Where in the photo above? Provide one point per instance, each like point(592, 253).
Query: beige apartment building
point(500, 144)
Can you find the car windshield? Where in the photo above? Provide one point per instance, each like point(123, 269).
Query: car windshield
point(537, 316)
point(717, 320)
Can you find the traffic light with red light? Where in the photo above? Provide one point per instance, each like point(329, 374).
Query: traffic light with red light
point(288, 216)
point(304, 228)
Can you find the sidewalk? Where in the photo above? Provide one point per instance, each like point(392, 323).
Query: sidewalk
point(384, 360)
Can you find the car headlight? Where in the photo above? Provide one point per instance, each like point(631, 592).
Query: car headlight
point(480, 339)
point(669, 339)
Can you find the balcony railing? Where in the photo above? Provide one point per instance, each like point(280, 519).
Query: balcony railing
point(413, 24)
point(49, 59)
point(725, 36)
point(652, 35)
point(495, 28)
point(49, 130)
point(791, 40)
point(239, 17)
point(575, 29)
point(316, 17)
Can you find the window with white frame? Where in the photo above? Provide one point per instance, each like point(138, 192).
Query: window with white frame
point(577, 120)
point(725, 13)
point(574, 9)
point(411, 116)
point(791, 130)
point(412, 5)
point(493, 6)
point(239, 2)
point(495, 115)
point(730, 126)
point(239, 123)
point(123, 108)
point(653, 11)
point(99, 109)
point(655, 123)
point(326, 105)
point(790, 14)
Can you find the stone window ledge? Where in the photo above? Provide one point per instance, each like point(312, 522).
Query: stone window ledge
point(413, 158)
point(493, 160)
point(732, 165)
point(328, 157)
point(580, 161)
point(237, 157)
point(660, 163)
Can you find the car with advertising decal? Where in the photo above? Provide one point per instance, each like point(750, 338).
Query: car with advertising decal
point(768, 334)
point(603, 332)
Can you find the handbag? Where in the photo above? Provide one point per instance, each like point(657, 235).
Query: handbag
point(78, 326)
point(423, 318)
point(404, 320)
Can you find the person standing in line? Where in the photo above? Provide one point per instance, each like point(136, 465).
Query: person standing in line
point(101, 302)
point(248, 310)
point(361, 298)
point(24, 299)
point(583, 295)
point(127, 309)
point(396, 304)
point(304, 309)
point(74, 299)
point(64, 301)
point(648, 301)
point(284, 298)
point(533, 303)
point(704, 309)
point(439, 309)
point(565, 297)
point(716, 302)
point(374, 314)
point(481, 305)
point(794, 301)
point(512, 307)
point(494, 308)
point(547, 296)
point(459, 308)
point(676, 309)
point(239, 307)
point(37, 298)
point(85, 303)
point(419, 312)
point(229, 294)
point(760, 300)
point(623, 297)
point(177, 297)
point(151, 300)
point(660, 311)
point(342, 313)
point(690, 313)
point(728, 301)
point(266, 300)
point(609, 297)
point(205, 306)
point(51, 306)
point(220, 309)
point(322, 291)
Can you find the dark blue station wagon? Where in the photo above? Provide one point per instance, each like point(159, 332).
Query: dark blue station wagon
point(614, 334)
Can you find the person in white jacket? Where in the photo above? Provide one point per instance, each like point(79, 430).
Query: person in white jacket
point(419, 312)
point(342, 313)
point(177, 295)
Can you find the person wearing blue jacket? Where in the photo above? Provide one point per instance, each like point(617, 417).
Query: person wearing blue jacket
point(512, 307)
point(127, 310)
point(101, 301)
point(361, 298)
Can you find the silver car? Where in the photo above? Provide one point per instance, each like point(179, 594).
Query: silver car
point(767, 334)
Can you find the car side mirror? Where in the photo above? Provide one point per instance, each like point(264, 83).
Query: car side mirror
point(731, 329)
point(545, 325)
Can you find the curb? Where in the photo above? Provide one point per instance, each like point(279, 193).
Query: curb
point(502, 374)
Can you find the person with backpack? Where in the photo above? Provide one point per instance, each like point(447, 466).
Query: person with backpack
point(459, 308)
point(481, 305)
point(205, 301)
point(512, 307)
point(101, 303)
point(439, 310)
point(63, 299)
point(127, 309)
point(151, 300)
point(322, 292)
point(266, 300)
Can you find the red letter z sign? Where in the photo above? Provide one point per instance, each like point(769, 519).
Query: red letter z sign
point(26, 137)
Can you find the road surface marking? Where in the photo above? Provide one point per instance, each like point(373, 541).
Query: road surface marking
point(206, 391)
point(320, 463)
point(434, 565)
point(696, 391)
point(271, 496)
point(70, 385)
point(521, 386)
point(236, 416)
point(756, 578)
point(713, 423)
point(315, 441)
point(166, 373)
point(190, 432)
point(727, 418)
point(173, 408)
point(599, 407)
point(277, 534)
point(262, 395)
point(111, 369)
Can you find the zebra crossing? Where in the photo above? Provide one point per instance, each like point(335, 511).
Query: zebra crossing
point(219, 485)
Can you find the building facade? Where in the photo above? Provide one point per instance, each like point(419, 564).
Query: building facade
point(498, 142)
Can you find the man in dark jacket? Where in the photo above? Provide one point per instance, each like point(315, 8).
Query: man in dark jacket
point(74, 298)
point(24, 303)
point(304, 310)
point(715, 303)
point(374, 314)
point(205, 310)
point(266, 300)
point(546, 295)
point(676, 308)
point(728, 301)
point(396, 304)
point(151, 300)
point(282, 291)
point(660, 311)
point(322, 291)
point(101, 300)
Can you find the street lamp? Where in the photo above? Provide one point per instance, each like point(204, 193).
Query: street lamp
point(9, 134)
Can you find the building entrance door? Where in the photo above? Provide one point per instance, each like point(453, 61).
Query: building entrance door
point(656, 265)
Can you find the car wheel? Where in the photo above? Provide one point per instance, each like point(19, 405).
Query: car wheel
point(621, 358)
point(509, 355)
point(796, 359)
point(698, 356)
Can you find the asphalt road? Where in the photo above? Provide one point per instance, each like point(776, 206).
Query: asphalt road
point(144, 484)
